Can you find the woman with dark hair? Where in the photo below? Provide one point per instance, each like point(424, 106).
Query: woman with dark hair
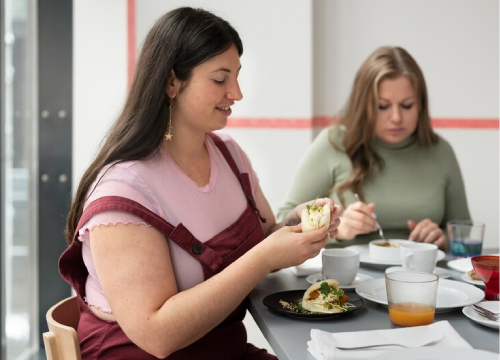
point(169, 230)
point(385, 154)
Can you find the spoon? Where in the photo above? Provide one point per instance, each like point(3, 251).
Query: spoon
point(379, 228)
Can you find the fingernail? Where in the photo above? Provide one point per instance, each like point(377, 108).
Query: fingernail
point(374, 215)
point(411, 239)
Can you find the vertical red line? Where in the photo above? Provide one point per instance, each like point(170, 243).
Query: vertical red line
point(131, 39)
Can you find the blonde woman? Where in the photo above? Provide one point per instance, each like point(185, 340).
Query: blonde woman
point(385, 154)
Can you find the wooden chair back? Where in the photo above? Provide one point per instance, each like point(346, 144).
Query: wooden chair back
point(61, 341)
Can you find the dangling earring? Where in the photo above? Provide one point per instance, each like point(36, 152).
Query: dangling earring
point(169, 135)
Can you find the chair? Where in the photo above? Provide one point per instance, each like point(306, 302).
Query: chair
point(61, 341)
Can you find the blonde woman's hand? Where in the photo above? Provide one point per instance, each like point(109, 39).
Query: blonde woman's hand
point(427, 231)
point(357, 219)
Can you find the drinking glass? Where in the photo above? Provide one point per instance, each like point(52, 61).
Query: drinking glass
point(466, 238)
point(486, 267)
point(411, 297)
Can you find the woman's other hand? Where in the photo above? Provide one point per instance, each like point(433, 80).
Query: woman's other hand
point(357, 219)
point(428, 232)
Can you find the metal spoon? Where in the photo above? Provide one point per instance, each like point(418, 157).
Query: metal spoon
point(490, 315)
point(380, 231)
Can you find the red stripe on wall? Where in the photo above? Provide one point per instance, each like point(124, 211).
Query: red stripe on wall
point(479, 123)
point(323, 121)
point(131, 41)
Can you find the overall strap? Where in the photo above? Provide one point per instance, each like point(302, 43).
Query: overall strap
point(123, 204)
point(243, 178)
point(179, 234)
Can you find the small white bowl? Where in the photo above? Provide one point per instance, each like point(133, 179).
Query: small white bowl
point(385, 253)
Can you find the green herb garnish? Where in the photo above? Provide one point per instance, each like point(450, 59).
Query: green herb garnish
point(324, 288)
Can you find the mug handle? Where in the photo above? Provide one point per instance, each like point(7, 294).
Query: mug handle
point(407, 261)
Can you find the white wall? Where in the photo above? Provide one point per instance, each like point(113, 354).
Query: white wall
point(99, 74)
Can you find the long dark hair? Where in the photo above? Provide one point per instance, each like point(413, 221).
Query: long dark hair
point(360, 113)
point(180, 40)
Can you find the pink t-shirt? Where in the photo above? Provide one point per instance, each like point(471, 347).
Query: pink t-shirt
point(160, 185)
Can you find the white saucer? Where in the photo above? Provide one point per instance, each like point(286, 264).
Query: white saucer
point(441, 272)
point(314, 278)
point(474, 316)
point(468, 279)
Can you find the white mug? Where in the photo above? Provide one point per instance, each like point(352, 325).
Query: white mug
point(420, 257)
point(340, 264)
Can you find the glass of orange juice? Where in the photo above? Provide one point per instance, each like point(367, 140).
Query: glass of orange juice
point(411, 297)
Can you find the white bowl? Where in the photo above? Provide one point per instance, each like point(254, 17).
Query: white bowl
point(385, 253)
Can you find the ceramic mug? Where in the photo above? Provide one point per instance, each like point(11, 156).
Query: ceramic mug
point(340, 264)
point(418, 256)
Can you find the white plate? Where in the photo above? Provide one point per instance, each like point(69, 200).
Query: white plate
point(451, 294)
point(474, 316)
point(314, 278)
point(437, 353)
point(468, 279)
point(462, 265)
point(365, 258)
point(441, 272)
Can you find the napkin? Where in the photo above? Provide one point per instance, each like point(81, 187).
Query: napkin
point(311, 266)
point(322, 345)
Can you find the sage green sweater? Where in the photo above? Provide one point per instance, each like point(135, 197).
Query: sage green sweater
point(415, 183)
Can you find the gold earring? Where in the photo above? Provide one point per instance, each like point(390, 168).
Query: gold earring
point(169, 135)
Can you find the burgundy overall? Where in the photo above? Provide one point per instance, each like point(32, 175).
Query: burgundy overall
point(102, 339)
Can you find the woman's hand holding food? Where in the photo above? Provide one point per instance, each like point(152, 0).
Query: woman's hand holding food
point(325, 211)
point(427, 231)
point(289, 246)
point(357, 219)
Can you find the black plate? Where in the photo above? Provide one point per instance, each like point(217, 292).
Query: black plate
point(295, 297)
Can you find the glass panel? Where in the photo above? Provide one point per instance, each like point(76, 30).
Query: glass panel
point(20, 296)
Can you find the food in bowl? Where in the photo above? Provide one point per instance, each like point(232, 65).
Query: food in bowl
point(315, 216)
point(389, 244)
point(388, 251)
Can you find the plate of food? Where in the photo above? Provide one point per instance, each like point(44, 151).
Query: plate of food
point(471, 277)
point(322, 300)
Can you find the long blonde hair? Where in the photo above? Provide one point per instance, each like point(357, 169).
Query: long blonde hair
point(360, 113)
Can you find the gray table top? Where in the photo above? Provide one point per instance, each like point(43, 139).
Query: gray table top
point(288, 336)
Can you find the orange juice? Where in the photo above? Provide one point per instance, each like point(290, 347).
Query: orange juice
point(411, 314)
